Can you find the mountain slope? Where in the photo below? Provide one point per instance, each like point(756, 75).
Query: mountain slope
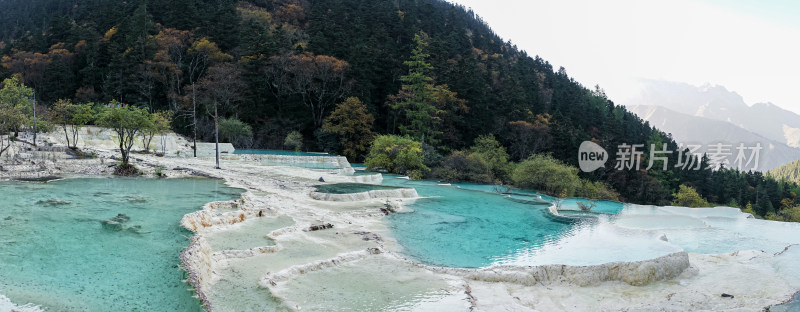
point(706, 131)
point(789, 172)
point(718, 103)
point(276, 56)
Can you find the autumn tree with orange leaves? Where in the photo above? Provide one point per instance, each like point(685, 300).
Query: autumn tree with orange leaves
point(173, 45)
point(529, 136)
point(353, 124)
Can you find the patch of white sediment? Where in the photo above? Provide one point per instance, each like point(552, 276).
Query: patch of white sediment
point(254, 233)
point(636, 273)
point(329, 161)
point(368, 282)
point(746, 275)
point(553, 209)
point(271, 279)
point(7, 305)
point(374, 194)
point(222, 214)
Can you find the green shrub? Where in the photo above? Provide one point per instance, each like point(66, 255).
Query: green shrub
point(396, 154)
point(447, 170)
point(462, 166)
point(791, 214)
point(597, 190)
point(773, 217)
point(749, 209)
point(687, 196)
point(485, 162)
point(493, 156)
point(294, 140)
point(236, 132)
point(548, 175)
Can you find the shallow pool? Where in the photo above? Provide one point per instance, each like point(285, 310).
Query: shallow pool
point(278, 152)
point(57, 254)
point(710, 230)
point(350, 188)
point(471, 225)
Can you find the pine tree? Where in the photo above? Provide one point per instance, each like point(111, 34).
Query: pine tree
point(415, 99)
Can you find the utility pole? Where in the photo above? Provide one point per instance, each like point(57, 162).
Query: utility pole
point(216, 133)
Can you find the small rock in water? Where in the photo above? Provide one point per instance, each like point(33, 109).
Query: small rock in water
point(136, 199)
point(724, 295)
point(115, 223)
point(7, 218)
point(111, 225)
point(135, 229)
point(53, 202)
point(321, 179)
point(320, 227)
point(121, 218)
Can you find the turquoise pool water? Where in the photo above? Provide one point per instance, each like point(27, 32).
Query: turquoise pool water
point(57, 254)
point(278, 152)
point(472, 225)
point(464, 225)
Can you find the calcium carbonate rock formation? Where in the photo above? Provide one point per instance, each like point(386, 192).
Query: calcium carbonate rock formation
point(324, 162)
point(395, 193)
point(7, 305)
point(638, 273)
point(197, 260)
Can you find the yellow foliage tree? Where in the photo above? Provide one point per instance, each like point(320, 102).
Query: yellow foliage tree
point(353, 124)
point(687, 196)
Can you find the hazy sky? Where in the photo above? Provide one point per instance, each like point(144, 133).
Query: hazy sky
point(751, 47)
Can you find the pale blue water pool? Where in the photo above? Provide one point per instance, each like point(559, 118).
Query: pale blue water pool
point(472, 225)
point(56, 253)
point(469, 225)
point(278, 152)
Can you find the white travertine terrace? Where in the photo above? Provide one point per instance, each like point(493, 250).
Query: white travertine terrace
point(268, 277)
point(374, 194)
point(7, 305)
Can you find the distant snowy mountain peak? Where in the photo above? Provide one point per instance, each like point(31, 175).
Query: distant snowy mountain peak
point(711, 113)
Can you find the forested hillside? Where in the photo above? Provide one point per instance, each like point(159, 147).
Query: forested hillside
point(789, 172)
point(423, 68)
